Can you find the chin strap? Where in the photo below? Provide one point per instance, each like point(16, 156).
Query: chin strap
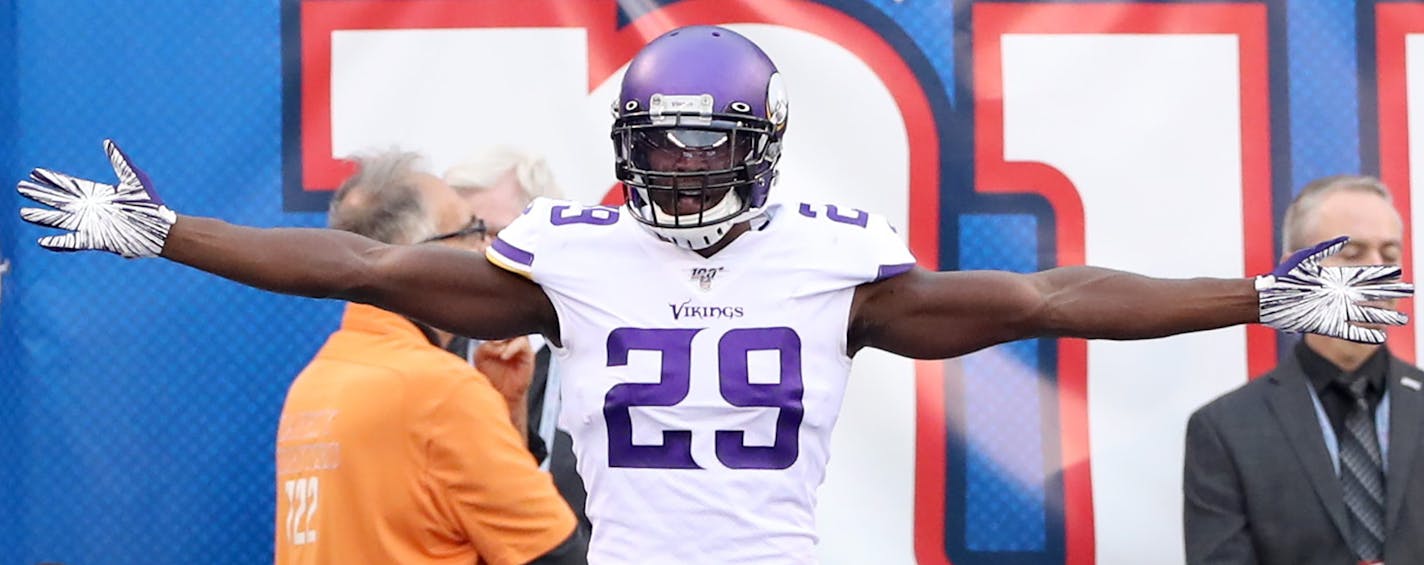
point(699, 238)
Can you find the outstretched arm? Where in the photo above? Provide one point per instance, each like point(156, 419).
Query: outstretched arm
point(933, 315)
point(455, 290)
point(936, 315)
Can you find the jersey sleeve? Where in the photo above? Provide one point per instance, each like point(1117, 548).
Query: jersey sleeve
point(516, 246)
point(546, 230)
point(845, 247)
point(885, 252)
point(492, 488)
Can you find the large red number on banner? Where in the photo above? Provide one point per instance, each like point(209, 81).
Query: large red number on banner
point(1399, 62)
point(1144, 126)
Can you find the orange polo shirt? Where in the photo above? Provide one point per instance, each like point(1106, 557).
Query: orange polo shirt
point(391, 450)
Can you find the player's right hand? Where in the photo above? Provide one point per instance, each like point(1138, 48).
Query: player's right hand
point(127, 219)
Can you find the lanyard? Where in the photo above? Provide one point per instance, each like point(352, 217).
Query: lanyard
point(1332, 443)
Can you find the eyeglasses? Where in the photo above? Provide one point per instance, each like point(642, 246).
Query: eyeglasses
point(475, 227)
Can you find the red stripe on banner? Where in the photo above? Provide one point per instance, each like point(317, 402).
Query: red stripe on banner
point(1393, 23)
point(1258, 223)
point(931, 444)
point(995, 175)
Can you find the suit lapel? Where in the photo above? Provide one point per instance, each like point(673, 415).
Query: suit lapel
point(1290, 401)
point(1406, 423)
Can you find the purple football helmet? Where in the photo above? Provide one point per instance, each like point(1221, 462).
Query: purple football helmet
point(697, 133)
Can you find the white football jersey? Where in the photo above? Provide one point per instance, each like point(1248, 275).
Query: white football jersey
point(701, 392)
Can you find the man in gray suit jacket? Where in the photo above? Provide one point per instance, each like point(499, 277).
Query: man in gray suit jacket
point(1316, 461)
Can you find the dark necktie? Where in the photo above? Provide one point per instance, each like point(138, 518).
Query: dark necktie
point(1361, 475)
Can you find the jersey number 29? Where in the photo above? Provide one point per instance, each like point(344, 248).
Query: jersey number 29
point(736, 387)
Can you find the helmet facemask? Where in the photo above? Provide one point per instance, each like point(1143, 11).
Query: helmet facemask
point(689, 175)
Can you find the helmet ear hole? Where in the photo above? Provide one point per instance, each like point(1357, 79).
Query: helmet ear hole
point(741, 107)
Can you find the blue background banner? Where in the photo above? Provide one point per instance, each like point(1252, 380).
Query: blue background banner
point(139, 399)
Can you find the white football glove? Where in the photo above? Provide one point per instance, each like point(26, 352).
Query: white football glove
point(128, 219)
point(1303, 296)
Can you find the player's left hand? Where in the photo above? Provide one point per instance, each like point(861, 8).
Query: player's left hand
point(1301, 295)
point(509, 365)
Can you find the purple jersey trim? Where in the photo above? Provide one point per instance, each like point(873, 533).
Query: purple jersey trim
point(887, 271)
point(519, 255)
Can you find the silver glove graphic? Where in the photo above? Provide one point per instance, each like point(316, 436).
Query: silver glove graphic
point(1303, 296)
point(128, 218)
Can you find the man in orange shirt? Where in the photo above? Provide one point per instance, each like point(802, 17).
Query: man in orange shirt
point(499, 182)
point(392, 450)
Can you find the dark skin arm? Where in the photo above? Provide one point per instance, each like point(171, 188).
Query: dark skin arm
point(921, 314)
point(457, 291)
point(937, 315)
